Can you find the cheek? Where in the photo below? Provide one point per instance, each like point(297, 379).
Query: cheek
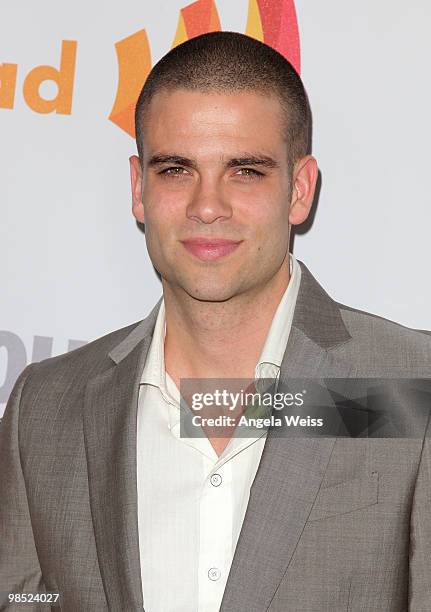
point(162, 212)
point(266, 215)
point(270, 228)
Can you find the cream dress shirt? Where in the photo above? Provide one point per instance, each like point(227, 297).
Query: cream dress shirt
point(192, 503)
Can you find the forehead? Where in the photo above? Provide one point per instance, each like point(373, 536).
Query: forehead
point(200, 119)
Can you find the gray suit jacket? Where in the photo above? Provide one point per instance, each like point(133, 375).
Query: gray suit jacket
point(333, 523)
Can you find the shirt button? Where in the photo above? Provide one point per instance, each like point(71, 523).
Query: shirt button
point(214, 573)
point(216, 480)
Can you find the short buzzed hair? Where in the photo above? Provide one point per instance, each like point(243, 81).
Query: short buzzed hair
point(229, 62)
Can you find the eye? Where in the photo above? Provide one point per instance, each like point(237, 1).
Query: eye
point(251, 172)
point(167, 171)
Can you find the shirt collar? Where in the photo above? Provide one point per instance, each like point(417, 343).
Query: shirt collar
point(154, 369)
point(278, 334)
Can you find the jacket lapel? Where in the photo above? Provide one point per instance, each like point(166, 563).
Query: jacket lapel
point(109, 419)
point(291, 469)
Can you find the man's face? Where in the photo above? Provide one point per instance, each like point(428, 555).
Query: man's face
point(199, 181)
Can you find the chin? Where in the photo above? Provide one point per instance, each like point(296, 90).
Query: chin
point(210, 294)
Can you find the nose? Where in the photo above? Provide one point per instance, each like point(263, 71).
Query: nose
point(208, 202)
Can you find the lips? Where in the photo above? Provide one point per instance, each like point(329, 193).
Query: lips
point(210, 249)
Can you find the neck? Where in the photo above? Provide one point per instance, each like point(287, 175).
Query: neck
point(220, 339)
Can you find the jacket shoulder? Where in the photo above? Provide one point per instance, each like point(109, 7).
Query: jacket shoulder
point(75, 368)
point(380, 342)
point(45, 382)
point(95, 349)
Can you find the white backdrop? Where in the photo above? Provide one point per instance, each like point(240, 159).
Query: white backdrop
point(74, 263)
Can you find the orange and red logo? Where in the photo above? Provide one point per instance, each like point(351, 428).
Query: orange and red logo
point(273, 23)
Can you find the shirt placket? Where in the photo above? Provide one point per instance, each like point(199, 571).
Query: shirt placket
point(215, 533)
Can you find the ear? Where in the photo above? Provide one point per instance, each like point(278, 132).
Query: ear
point(136, 184)
point(304, 180)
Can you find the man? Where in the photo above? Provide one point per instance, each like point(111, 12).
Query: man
point(104, 501)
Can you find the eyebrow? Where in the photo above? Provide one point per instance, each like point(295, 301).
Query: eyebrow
point(246, 159)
